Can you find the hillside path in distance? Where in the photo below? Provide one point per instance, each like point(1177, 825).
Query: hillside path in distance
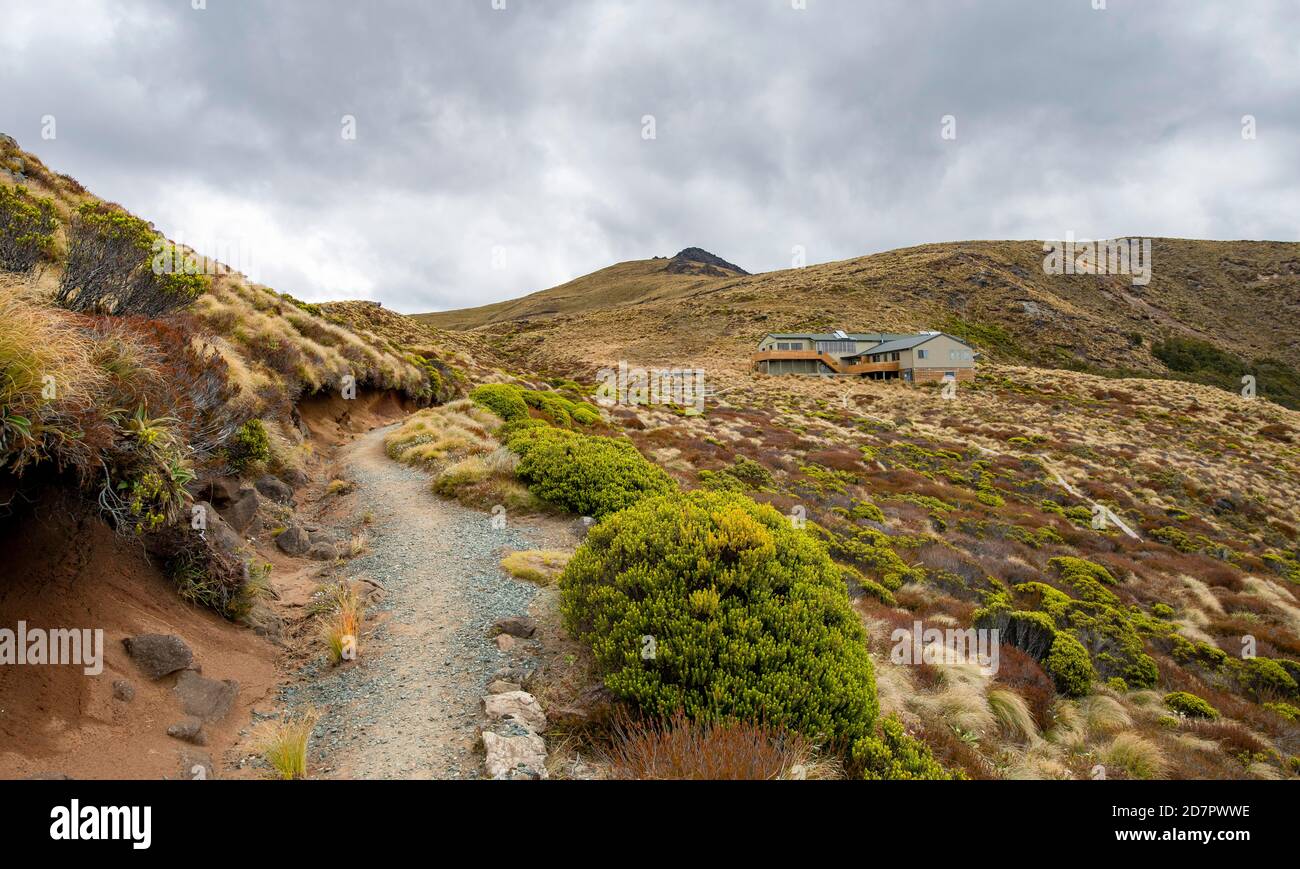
point(408, 708)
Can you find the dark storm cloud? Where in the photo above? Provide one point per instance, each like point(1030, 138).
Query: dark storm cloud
point(518, 131)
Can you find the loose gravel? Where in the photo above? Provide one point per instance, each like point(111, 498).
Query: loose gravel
point(408, 708)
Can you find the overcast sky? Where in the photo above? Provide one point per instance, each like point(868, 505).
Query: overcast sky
point(502, 151)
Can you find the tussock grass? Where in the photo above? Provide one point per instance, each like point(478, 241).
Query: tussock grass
point(539, 566)
point(439, 435)
point(1135, 755)
point(340, 628)
point(284, 744)
point(1104, 715)
point(1012, 714)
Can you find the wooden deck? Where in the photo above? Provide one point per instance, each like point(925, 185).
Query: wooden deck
point(835, 365)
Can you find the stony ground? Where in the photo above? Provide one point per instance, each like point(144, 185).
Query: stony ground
point(409, 707)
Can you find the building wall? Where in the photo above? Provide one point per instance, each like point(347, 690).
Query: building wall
point(941, 352)
point(770, 344)
point(793, 366)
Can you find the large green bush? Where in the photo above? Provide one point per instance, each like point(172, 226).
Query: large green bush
point(710, 603)
point(586, 474)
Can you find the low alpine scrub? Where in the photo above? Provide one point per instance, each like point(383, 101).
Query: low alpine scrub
point(585, 474)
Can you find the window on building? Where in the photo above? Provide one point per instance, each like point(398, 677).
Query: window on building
point(920, 354)
point(837, 346)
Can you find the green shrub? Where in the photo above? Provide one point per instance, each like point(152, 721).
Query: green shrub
point(868, 511)
point(118, 265)
point(504, 399)
point(1031, 632)
point(870, 551)
point(585, 474)
point(1190, 705)
point(248, 447)
point(27, 226)
point(743, 615)
point(1286, 710)
point(893, 755)
point(1265, 678)
point(1073, 569)
point(1069, 666)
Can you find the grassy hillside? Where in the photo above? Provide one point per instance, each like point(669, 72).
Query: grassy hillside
point(134, 384)
point(1242, 298)
point(1122, 638)
point(629, 283)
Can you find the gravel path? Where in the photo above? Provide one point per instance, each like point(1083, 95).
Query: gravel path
point(409, 707)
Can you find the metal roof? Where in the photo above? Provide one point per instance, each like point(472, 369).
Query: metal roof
point(852, 336)
point(910, 341)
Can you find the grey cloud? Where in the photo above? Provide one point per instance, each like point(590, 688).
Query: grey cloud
point(520, 129)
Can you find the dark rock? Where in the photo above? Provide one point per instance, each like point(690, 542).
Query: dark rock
point(158, 654)
point(294, 477)
point(522, 627)
point(293, 541)
point(323, 552)
point(275, 489)
point(222, 490)
point(220, 535)
point(123, 690)
point(206, 699)
point(190, 730)
point(242, 511)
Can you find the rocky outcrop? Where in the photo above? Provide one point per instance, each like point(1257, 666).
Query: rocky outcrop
point(694, 260)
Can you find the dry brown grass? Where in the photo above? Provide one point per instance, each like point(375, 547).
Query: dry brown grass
point(538, 566)
point(679, 749)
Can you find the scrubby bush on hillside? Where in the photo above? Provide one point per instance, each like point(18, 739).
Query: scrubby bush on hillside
point(893, 755)
point(249, 448)
point(585, 474)
point(118, 265)
point(710, 603)
point(504, 399)
point(1265, 678)
point(27, 225)
point(1069, 666)
point(1190, 705)
point(511, 403)
point(1208, 363)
